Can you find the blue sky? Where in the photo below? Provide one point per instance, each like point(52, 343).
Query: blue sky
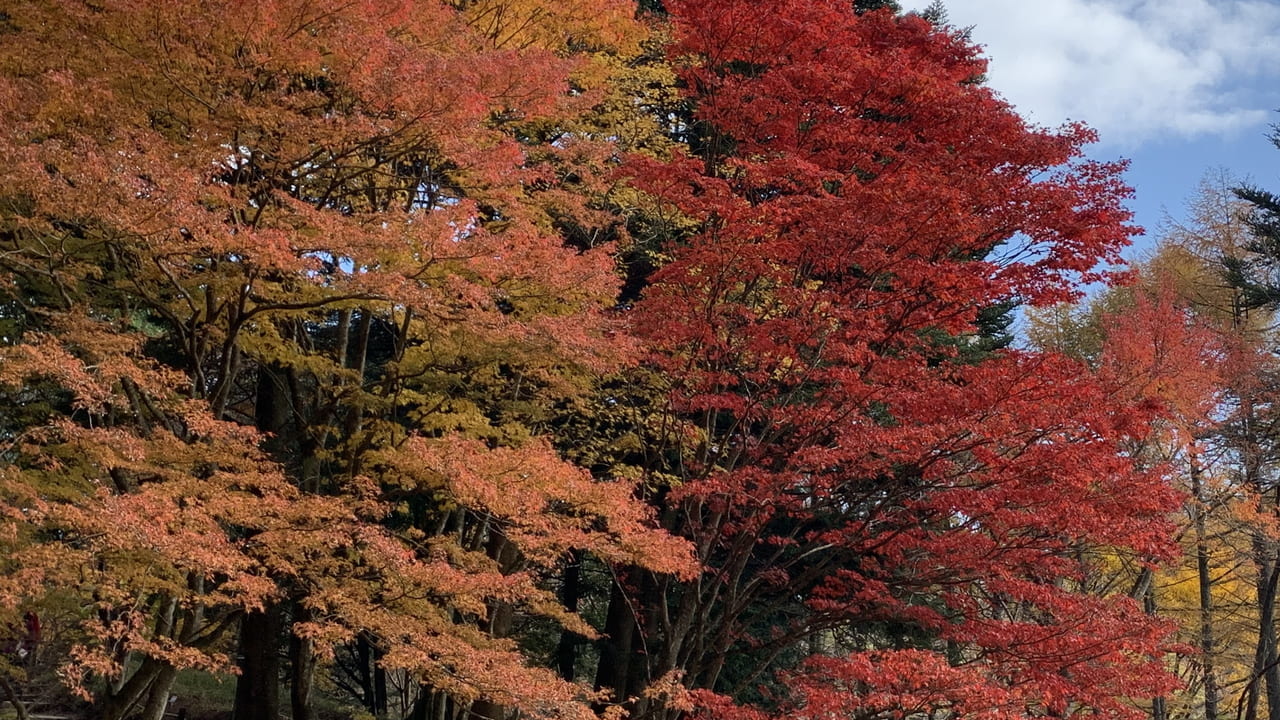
point(1179, 87)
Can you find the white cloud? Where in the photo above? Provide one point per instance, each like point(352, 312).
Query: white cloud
point(1136, 70)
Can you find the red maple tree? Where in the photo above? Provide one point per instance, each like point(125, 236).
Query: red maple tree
point(861, 478)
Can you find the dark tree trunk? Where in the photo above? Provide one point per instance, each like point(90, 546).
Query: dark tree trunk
point(615, 647)
point(10, 694)
point(1207, 649)
point(1159, 706)
point(570, 593)
point(1159, 709)
point(379, 684)
point(422, 706)
point(630, 657)
point(433, 705)
point(1266, 668)
point(1266, 660)
point(501, 614)
point(121, 703)
point(258, 685)
point(271, 403)
point(365, 653)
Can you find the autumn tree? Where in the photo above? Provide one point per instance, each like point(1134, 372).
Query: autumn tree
point(890, 523)
point(279, 283)
point(1247, 267)
point(1155, 338)
point(377, 340)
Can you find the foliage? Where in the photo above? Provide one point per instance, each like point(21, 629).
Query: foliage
point(859, 484)
point(401, 340)
point(285, 276)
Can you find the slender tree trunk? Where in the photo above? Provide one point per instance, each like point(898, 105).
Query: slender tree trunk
point(1159, 706)
point(356, 359)
point(501, 615)
point(1207, 649)
point(344, 337)
point(1159, 709)
point(434, 705)
point(1267, 662)
point(11, 695)
point(258, 686)
point(1266, 672)
point(422, 706)
point(635, 649)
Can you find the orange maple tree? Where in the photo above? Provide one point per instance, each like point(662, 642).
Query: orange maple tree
point(250, 253)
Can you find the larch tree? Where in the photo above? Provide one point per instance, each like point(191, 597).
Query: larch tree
point(1248, 263)
point(1233, 523)
point(1150, 338)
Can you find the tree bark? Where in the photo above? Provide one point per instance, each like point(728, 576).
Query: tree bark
point(258, 686)
point(364, 651)
point(570, 594)
point(379, 684)
point(1205, 581)
point(615, 646)
point(120, 703)
point(158, 696)
point(302, 670)
point(1159, 705)
point(1266, 663)
point(11, 695)
point(501, 616)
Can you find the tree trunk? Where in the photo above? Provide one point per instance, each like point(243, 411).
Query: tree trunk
point(1205, 581)
point(119, 704)
point(302, 670)
point(635, 648)
point(570, 593)
point(1264, 551)
point(433, 705)
point(1266, 668)
point(501, 616)
point(422, 706)
point(364, 652)
point(11, 695)
point(1159, 709)
point(1266, 660)
point(379, 684)
point(258, 685)
point(1159, 706)
point(615, 647)
point(158, 696)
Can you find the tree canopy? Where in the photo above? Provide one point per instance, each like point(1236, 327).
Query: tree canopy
point(567, 359)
